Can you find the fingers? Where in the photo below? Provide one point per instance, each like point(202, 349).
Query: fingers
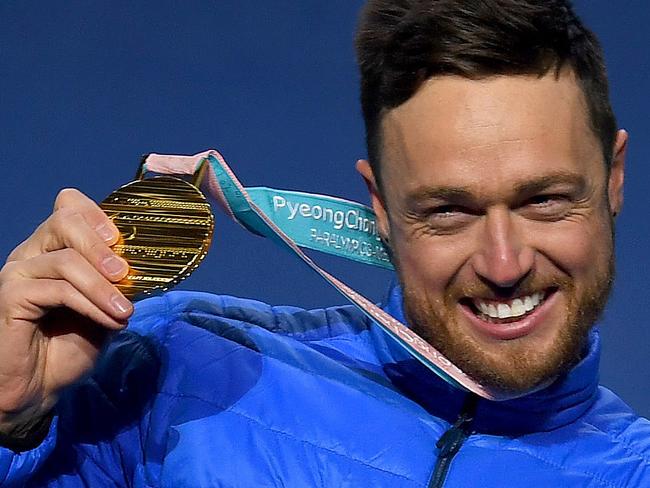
point(31, 297)
point(65, 231)
point(94, 216)
point(68, 261)
point(77, 222)
point(66, 278)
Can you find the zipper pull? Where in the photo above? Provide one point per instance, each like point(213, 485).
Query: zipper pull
point(450, 442)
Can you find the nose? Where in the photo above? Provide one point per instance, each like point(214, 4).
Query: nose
point(502, 256)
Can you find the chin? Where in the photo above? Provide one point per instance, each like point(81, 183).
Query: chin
point(519, 356)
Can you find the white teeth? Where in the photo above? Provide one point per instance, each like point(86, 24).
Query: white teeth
point(536, 297)
point(516, 308)
point(504, 311)
point(528, 303)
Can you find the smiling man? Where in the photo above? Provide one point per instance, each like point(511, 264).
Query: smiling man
point(498, 204)
point(495, 170)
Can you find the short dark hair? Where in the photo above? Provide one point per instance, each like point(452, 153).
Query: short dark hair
point(402, 43)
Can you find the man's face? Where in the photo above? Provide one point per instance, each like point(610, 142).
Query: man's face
point(498, 211)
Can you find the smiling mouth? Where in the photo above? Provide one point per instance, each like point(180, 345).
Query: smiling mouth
point(507, 311)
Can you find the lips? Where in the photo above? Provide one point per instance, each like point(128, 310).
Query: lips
point(509, 319)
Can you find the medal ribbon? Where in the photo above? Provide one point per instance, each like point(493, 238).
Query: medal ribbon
point(320, 222)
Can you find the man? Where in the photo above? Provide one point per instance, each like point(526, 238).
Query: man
point(496, 172)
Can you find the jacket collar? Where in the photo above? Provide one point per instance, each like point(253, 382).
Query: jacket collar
point(559, 404)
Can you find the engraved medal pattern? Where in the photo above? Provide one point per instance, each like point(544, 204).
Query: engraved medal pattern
point(166, 227)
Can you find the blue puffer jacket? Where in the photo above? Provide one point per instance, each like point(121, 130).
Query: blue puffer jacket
point(215, 391)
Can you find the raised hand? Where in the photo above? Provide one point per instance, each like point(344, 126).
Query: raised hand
point(58, 305)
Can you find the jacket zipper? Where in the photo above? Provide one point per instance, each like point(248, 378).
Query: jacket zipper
point(451, 441)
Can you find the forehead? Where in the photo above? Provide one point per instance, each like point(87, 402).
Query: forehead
point(486, 133)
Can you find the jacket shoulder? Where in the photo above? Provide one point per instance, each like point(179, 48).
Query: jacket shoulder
point(619, 425)
point(154, 315)
point(609, 444)
point(175, 320)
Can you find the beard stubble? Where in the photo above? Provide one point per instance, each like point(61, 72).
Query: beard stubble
point(514, 365)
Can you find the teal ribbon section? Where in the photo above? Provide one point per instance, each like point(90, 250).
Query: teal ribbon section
point(323, 223)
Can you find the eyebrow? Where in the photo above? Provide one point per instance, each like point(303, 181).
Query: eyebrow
point(529, 187)
point(544, 182)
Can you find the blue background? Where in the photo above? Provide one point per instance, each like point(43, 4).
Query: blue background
point(87, 87)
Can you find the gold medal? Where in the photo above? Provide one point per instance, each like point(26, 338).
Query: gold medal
point(166, 227)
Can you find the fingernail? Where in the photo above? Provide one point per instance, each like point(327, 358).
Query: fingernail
point(120, 303)
point(105, 232)
point(113, 265)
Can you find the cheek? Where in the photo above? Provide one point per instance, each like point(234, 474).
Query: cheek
point(577, 249)
point(429, 262)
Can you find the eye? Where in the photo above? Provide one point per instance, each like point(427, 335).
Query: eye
point(547, 200)
point(449, 217)
point(548, 206)
point(445, 211)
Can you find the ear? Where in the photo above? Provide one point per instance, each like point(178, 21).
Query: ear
point(617, 173)
point(376, 199)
